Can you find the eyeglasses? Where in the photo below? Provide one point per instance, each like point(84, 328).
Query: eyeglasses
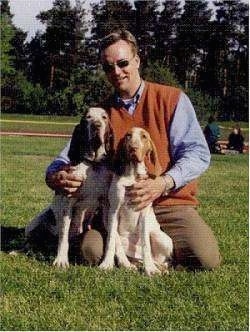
point(109, 67)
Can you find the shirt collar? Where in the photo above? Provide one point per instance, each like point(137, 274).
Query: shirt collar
point(134, 100)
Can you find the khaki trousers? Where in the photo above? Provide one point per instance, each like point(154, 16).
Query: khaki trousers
point(195, 246)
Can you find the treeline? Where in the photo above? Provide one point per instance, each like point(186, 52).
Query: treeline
point(202, 50)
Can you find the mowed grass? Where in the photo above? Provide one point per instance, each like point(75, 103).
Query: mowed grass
point(37, 296)
point(39, 124)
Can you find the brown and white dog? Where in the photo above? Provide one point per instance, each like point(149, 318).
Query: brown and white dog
point(131, 233)
point(90, 150)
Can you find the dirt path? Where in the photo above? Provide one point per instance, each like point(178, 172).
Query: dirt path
point(40, 122)
point(17, 133)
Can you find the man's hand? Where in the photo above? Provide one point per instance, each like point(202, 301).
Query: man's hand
point(64, 181)
point(145, 191)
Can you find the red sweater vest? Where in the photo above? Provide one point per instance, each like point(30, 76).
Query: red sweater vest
point(154, 112)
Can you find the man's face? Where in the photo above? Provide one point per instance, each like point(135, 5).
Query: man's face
point(236, 131)
point(125, 79)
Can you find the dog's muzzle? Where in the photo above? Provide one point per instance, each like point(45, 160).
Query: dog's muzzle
point(134, 154)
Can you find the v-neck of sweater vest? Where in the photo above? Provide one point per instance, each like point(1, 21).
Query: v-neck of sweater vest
point(138, 106)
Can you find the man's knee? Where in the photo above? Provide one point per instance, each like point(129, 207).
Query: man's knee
point(211, 259)
point(204, 247)
point(92, 246)
point(193, 259)
point(194, 242)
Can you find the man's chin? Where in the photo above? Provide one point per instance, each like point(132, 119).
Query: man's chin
point(122, 85)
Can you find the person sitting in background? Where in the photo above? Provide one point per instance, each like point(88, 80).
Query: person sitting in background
point(212, 134)
point(236, 140)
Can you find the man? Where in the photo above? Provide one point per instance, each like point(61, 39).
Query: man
point(236, 140)
point(168, 115)
point(212, 134)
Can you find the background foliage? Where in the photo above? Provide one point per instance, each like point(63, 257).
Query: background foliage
point(186, 44)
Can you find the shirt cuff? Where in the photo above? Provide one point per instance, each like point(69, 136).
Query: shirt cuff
point(55, 166)
point(176, 176)
point(169, 184)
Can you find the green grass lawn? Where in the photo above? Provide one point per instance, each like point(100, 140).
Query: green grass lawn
point(31, 117)
point(37, 296)
point(40, 124)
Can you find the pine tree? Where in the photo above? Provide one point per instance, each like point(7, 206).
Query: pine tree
point(192, 33)
point(111, 15)
point(39, 67)
point(65, 29)
point(146, 18)
point(108, 16)
point(166, 32)
point(13, 59)
point(7, 35)
point(227, 59)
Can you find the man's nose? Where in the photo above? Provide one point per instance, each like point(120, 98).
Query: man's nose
point(117, 70)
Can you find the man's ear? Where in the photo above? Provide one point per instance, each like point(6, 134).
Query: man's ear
point(138, 61)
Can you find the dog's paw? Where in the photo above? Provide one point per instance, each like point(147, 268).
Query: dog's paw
point(165, 267)
point(132, 267)
point(19, 251)
point(62, 263)
point(106, 265)
point(128, 265)
point(152, 270)
point(15, 252)
point(123, 261)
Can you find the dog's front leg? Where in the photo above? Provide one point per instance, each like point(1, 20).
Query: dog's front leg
point(119, 251)
point(108, 262)
point(149, 265)
point(115, 198)
point(78, 218)
point(162, 249)
point(121, 256)
point(63, 221)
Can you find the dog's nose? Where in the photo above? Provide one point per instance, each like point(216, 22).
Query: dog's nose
point(133, 148)
point(96, 124)
point(134, 144)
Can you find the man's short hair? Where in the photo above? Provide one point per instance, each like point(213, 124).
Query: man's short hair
point(115, 37)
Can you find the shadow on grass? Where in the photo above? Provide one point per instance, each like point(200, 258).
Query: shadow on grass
point(42, 245)
point(12, 238)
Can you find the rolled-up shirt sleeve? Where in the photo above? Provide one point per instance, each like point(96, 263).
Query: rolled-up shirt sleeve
point(189, 150)
point(61, 160)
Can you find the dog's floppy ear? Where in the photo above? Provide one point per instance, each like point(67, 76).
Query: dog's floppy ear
point(79, 143)
point(109, 140)
point(153, 157)
point(121, 158)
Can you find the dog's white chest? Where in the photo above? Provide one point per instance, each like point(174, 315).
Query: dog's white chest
point(96, 183)
point(129, 229)
point(128, 218)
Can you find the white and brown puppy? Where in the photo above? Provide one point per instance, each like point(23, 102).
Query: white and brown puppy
point(90, 150)
point(131, 233)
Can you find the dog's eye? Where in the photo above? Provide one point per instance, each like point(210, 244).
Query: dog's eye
point(104, 117)
point(88, 116)
point(144, 136)
point(128, 136)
